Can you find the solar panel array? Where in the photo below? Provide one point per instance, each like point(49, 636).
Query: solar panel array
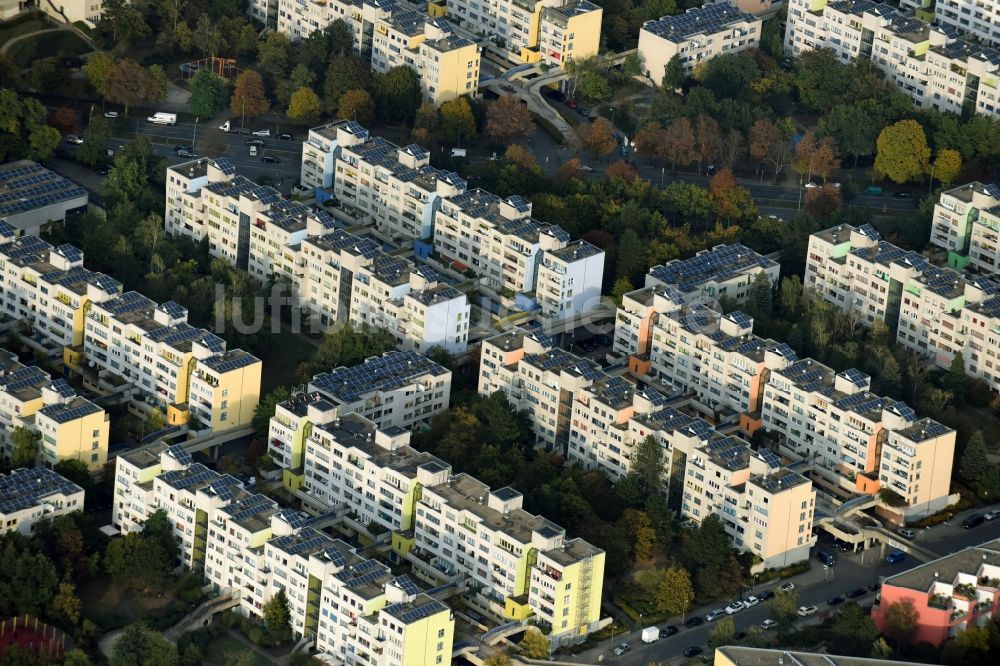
point(232, 361)
point(942, 281)
point(69, 252)
point(24, 488)
point(180, 454)
point(28, 377)
point(27, 249)
point(384, 373)
point(213, 343)
point(65, 413)
point(741, 319)
point(776, 482)
point(6, 230)
point(335, 556)
point(250, 506)
point(406, 584)
point(194, 475)
point(173, 310)
point(732, 452)
point(225, 165)
point(904, 410)
point(130, 301)
point(856, 377)
point(365, 572)
point(303, 543)
point(708, 19)
point(720, 263)
point(62, 388)
point(868, 231)
point(292, 518)
point(433, 607)
point(33, 186)
point(769, 457)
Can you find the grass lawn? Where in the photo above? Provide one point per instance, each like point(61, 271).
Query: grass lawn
point(22, 25)
point(218, 648)
point(282, 358)
point(63, 43)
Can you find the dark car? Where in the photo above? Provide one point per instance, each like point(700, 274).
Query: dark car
point(765, 595)
point(903, 195)
point(603, 340)
point(835, 600)
point(874, 587)
point(842, 546)
point(255, 142)
point(854, 594)
point(184, 151)
point(104, 171)
point(695, 621)
point(571, 103)
point(692, 651)
point(270, 159)
point(556, 95)
point(975, 520)
point(740, 635)
point(895, 557)
point(667, 632)
point(285, 136)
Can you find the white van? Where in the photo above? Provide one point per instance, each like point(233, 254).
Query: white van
point(225, 126)
point(253, 151)
point(458, 152)
point(160, 118)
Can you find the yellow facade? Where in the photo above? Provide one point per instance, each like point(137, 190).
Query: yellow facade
point(292, 480)
point(586, 31)
point(402, 543)
point(428, 641)
point(453, 73)
point(517, 608)
point(293, 477)
point(580, 595)
point(236, 397)
point(437, 8)
point(84, 439)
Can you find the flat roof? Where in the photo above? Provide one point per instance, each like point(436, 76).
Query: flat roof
point(392, 370)
point(747, 656)
point(24, 488)
point(71, 410)
point(706, 20)
point(720, 263)
point(945, 568)
point(27, 185)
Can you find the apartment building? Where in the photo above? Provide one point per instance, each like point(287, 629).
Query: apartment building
point(499, 241)
point(976, 19)
point(930, 63)
point(600, 419)
point(69, 426)
point(696, 36)
point(733, 655)
point(724, 270)
point(967, 224)
point(397, 391)
point(339, 277)
point(950, 594)
point(395, 187)
point(34, 196)
point(392, 34)
point(28, 496)
point(353, 608)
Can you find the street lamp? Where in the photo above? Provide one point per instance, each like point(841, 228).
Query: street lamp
point(194, 135)
point(663, 170)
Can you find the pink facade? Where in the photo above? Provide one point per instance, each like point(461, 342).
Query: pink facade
point(940, 616)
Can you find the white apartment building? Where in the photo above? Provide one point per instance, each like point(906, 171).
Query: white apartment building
point(398, 391)
point(977, 19)
point(337, 276)
point(28, 496)
point(931, 64)
point(967, 224)
point(530, 31)
point(696, 36)
point(724, 270)
point(249, 547)
point(391, 34)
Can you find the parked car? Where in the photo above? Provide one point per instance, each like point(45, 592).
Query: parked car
point(182, 151)
point(556, 95)
point(826, 558)
point(768, 624)
point(622, 649)
point(751, 601)
point(765, 595)
point(855, 593)
point(110, 114)
point(710, 170)
point(835, 600)
point(254, 142)
point(975, 520)
point(895, 556)
point(786, 587)
point(842, 546)
point(667, 632)
point(714, 615)
point(805, 611)
point(740, 635)
point(906, 533)
point(104, 171)
point(734, 608)
point(992, 515)
point(586, 168)
point(270, 159)
point(695, 621)
point(74, 139)
point(571, 103)
point(811, 185)
point(263, 132)
point(692, 651)
point(903, 195)
point(285, 136)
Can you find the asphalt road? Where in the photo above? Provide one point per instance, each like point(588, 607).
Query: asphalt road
point(813, 587)
point(209, 141)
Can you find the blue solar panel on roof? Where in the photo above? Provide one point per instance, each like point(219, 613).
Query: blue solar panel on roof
point(69, 252)
point(406, 584)
point(173, 310)
point(178, 453)
point(856, 377)
point(741, 319)
point(225, 165)
point(62, 388)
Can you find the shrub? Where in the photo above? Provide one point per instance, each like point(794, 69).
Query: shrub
point(256, 635)
point(787, 572)
point(231, 618)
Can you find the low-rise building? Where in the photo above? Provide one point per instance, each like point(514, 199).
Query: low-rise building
point(696, 36)
point(28, 496)
point(949, 594)
point(737, 655)
point(33, 197)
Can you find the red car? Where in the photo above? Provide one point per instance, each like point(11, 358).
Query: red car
point(571, 103)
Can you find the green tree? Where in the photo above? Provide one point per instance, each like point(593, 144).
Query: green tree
point(274, 56)
point(670, 589)
point(357, 105)
point(974, 463)
point(853, 630)
point(762, 295)
point(498, 658)
point(723, 633)
point(157, 83)
point(47, 75)
point(508, 120)
point(534, 645)
point(123, 20)
point(783, 607)
point(598, 137)
point(248, 96)
point(277, 617)
point(346, 72)
point(349, 346)
point(646, 464)
point(398, 94)
point(902, 152)
point(594, 88)
point(76, 657)
point(854, 129)
point(141, 646)
point(265, 408)
point(821, 79)
point(880, 649)
point(127, 83)
point(240, 658)
point(97, 68)
point(621, 287)
point(75, 471)
point(66, 605)
point(631, 256)
point(303, 108)
point(971, 646)
point(44, 141)
point(674, 74)
point(95, 141)
point(456, 120)
point(25, 447)
point(206, 37)
point(209, 93)
point(901, 622)
point(947, 166)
